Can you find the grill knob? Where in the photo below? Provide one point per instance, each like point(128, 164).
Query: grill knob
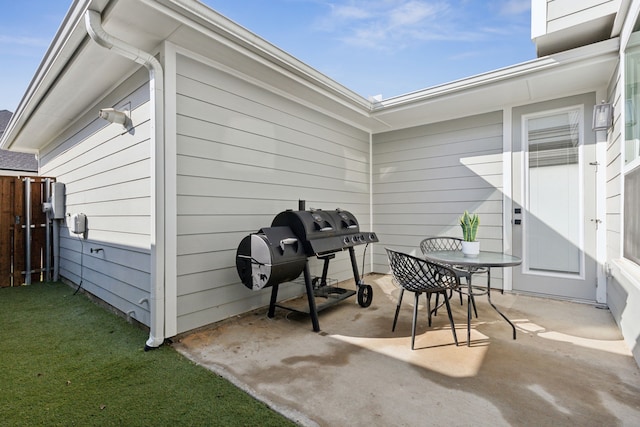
point(346, 240)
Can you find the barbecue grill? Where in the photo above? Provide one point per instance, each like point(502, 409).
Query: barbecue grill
point(279, 253)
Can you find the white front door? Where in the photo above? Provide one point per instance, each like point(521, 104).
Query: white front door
point(554, 222)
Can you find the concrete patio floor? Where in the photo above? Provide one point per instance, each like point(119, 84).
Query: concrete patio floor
point(568, 366)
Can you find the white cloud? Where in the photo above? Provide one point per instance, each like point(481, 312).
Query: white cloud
point(383, 24)
point(23, 41)
point(395, 24)
point(515, 7)
point(412, 13)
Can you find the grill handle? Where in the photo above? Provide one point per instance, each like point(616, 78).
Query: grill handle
point(287, 241)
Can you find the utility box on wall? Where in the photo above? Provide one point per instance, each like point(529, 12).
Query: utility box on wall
point(78, 223)
point(57, 200)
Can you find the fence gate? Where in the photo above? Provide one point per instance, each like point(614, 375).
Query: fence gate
point(24, 231)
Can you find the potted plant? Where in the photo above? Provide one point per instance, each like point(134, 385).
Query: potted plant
point(469, 224)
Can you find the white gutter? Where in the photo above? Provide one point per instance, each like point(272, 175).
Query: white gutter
point(93, 23)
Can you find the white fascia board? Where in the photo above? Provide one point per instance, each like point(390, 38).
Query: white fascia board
point(538, 18)
point(590, 52)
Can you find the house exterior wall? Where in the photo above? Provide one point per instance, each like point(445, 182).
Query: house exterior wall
point(106, 173)
point(245, 154)
point(562, 14)
point(623, 284)
point(425, 177)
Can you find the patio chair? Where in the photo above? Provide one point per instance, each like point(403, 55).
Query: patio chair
point(452, 244)
point(420, 276)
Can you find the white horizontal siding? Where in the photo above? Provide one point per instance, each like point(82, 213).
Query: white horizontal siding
point(243, 155)
point(106, 172)
point(425, 177)
point(563, 14)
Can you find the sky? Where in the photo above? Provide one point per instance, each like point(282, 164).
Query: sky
point(373, 47)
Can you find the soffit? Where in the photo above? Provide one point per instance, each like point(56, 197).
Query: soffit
point(581, 70)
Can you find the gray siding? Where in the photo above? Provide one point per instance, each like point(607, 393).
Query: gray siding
point(243, 155)
point(106, 173)
point(425, 177)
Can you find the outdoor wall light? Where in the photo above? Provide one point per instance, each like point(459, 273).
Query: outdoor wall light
point(602, 116)
point(114, 116)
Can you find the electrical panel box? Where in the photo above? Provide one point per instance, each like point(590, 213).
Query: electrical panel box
point(78, 223)
point(57, 200)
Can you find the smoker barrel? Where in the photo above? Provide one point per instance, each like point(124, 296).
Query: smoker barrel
point(272, 255)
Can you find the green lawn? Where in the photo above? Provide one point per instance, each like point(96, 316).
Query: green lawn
point(66, 361)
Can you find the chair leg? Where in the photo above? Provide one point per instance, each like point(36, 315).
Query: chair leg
point(428, 296)
point(395, 319)
point(435, 309)
point(415, 319)
point(453, 326)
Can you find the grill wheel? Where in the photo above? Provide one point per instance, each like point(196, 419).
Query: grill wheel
point(365, 295)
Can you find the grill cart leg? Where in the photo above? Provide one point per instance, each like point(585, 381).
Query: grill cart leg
point(365, 292)
point(313, 312)
point(272, 303)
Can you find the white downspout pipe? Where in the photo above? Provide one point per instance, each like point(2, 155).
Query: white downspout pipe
point(93, 23)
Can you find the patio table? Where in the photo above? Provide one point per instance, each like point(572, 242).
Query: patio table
point(484, 259)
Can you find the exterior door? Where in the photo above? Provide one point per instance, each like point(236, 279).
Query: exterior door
point(554, 222)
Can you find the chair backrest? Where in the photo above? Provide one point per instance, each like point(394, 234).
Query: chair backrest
point(441, 244)
point(419, 275)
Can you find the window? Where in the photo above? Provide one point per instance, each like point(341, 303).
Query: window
point(631, 217)
point(631, 224)
point(632, 101)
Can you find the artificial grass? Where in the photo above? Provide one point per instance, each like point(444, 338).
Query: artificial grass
point(66, 361)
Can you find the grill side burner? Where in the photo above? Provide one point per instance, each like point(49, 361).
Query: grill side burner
point(316, 233)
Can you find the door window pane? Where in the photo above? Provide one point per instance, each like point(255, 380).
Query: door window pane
point(552, 228)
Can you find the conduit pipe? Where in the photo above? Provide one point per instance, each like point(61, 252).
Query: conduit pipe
point(27, 230)
point(93, 24)
point(47, 262)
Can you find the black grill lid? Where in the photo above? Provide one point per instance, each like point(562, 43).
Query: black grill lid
point(324, 231)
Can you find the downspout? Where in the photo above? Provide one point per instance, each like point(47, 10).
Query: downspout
point(93, 23)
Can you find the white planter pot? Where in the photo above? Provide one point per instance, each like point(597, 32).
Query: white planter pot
point(470, 249)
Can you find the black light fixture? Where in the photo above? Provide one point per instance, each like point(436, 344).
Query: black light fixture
point(602, 116)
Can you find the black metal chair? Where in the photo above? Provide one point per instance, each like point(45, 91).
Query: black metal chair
point(453, 244)
point(420, 276)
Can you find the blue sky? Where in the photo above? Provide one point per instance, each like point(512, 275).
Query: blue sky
point(373, 47)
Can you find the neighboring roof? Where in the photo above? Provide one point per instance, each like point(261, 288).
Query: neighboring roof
point(9, 160)
point(5, 116)
point(20, 162)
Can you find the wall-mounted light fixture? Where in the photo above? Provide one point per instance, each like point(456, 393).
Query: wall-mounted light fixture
point(114, 116)
point(602, 116)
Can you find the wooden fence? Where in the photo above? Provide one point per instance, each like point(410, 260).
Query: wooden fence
point(24, 225)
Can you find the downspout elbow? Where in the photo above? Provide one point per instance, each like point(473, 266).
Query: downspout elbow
point(93, 24)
